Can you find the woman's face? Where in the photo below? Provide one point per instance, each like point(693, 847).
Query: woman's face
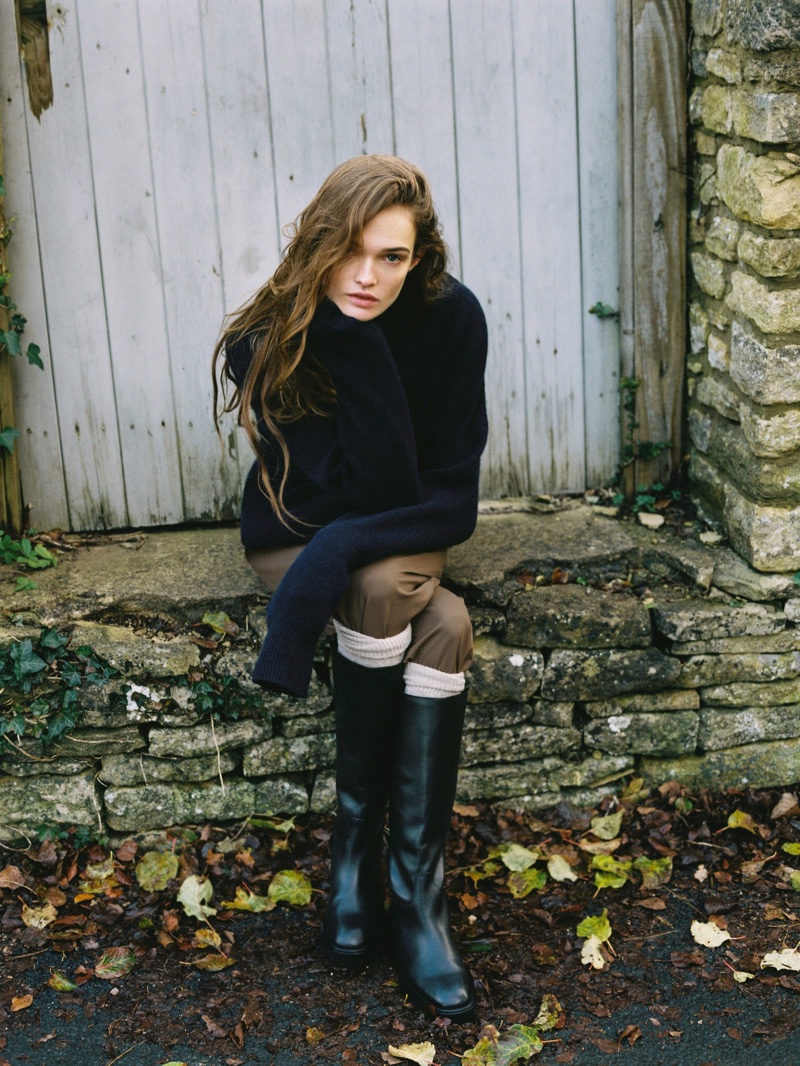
point(370, 278)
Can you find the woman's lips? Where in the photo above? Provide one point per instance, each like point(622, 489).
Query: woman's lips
point(362, 299)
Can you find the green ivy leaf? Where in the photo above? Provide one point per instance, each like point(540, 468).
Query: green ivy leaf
point(7, 438)
point(33, 356)
point(9, 339)
point(519, 1042)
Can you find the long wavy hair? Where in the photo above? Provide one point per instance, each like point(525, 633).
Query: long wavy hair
point(284, 382)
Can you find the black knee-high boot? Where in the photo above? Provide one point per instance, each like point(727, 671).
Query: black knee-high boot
point(365, 702)
point(425, 761)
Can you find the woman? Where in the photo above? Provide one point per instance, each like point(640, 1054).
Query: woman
point(362, 361)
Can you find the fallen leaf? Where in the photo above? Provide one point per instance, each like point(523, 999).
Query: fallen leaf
point(194, 895)
point(127, 851)
point(516, 858)
point(114, 963)
point(741, 820)
point(652, 903)
point(206, 938)
point(708, 934)
point(786, 804)
point(655, 872)
point(290, 886)
point(611, 873)
point(245, 900)
point(607, 828)
point(313, 1036)
point(59, 983)
point(21, 1002)
point(742, 975)
point(221, 623)
point(12, 877)
point(517, 1043)
point(791, 849)
point(156, 869)
point(213, 1027)
point(559, 869)
point(550, 1013)
point(788, 959)
point(701, 874)
point(596, 925)
point(99, 877)
point(420, 1053)
point(39, 917)
point(526, 881)
point(212, 963)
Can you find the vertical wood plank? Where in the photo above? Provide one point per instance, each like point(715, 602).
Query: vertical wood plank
point(659, 225)
point(10, 488)
point(184, 198)
point(422, 73)
point(360, 81)
point(133, 272)
point(76, 312)
point(598, 154)
point(300, 102)
point(544, 63)
point(626, 245)
point(490, 225)
point(38, 447)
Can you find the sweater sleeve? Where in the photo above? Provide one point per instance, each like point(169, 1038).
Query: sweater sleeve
point(372, 462)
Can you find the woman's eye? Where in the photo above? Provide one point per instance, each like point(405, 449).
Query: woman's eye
point(393, 258)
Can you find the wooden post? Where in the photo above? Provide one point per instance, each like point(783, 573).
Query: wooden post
point(652, 84)
point(10, 487)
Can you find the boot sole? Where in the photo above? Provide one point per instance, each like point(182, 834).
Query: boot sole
point(461, 1014)
point(354, 959)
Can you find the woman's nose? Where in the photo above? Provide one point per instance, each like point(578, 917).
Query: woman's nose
point(365, 272)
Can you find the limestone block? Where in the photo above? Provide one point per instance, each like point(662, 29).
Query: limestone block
point(696, 106)
point(767, 536)
point(707, 187)
point(705, 143)
point(142, 769)
point(763, 189)
point(124, 648)
point(644, 702)
point(766, 375)
point(207, 738)
point(770, 435)
point(723, 237)
point(707, 481)
point(716, 108)
point(700, 671)
point(781, 70)
point(500, 715)
point(772, 257)
point(698, 59)
point(698, 328)
point(238, 664)
point(161, 805)
point(558, 714)
point(684, 620)
point(92, 743)
point(752, 694)
point(719, 356)
point(728, 727)
point(23, 766)
point(764, 27)
point(771, 118)
point(28, 802)
point(304, 724)
point(715, 392)
point(528, 778)
point(108, 707)
point(788, 640)
point(525, 741)
point(733, 575)
point(644, 734)
point(719, 316)
point(792, 609)
point(323, 794)
point(290, 754)
point(700, 427)
point(724, 64)
point(706, 17)
point(772, 310)
point(574, 616)
point(499, 672)
point(688, 557)
point(589, 772)
point(766, 765)
point(580, 675)
point(709, 273)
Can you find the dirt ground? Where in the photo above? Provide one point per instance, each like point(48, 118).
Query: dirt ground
point(100, 966)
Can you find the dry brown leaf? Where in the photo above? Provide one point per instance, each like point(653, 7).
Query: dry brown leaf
point(12, 877)
point(21, 1002)
point(652, 903)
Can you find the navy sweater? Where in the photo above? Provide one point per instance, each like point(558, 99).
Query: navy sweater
point(394, 471)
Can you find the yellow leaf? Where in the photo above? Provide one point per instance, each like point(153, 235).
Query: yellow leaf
point(99, 876)
point(59, 983)
point(742, 975)
point(708, 934)
point(741, 820)
point(156, 869)
point(245, 900)
point(21, 1002)
point(39, 917)
point(213, 963)
point(206, 938)
point(516, 858)
point(549, 1013)
point(313, 1036)
point(194, 895)
point(423, 1054)
point(290, 886)
point(607, 828)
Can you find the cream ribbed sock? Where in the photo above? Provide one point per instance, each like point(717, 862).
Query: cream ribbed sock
point(425, 681)
point(372, 651)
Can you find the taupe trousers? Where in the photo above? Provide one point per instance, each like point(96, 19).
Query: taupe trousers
point(386, 596)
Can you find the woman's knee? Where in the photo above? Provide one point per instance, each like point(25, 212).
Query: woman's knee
point(442, 634)
point(385, 596)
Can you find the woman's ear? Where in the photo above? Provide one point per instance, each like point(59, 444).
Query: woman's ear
point(419, 252)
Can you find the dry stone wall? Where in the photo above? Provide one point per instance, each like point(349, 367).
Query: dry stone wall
point(659, 657)
point(744, 366)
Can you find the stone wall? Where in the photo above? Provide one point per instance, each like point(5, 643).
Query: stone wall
point(744, 367)
point(604, 652)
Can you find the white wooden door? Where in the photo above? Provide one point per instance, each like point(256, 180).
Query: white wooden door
point(149, 199)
